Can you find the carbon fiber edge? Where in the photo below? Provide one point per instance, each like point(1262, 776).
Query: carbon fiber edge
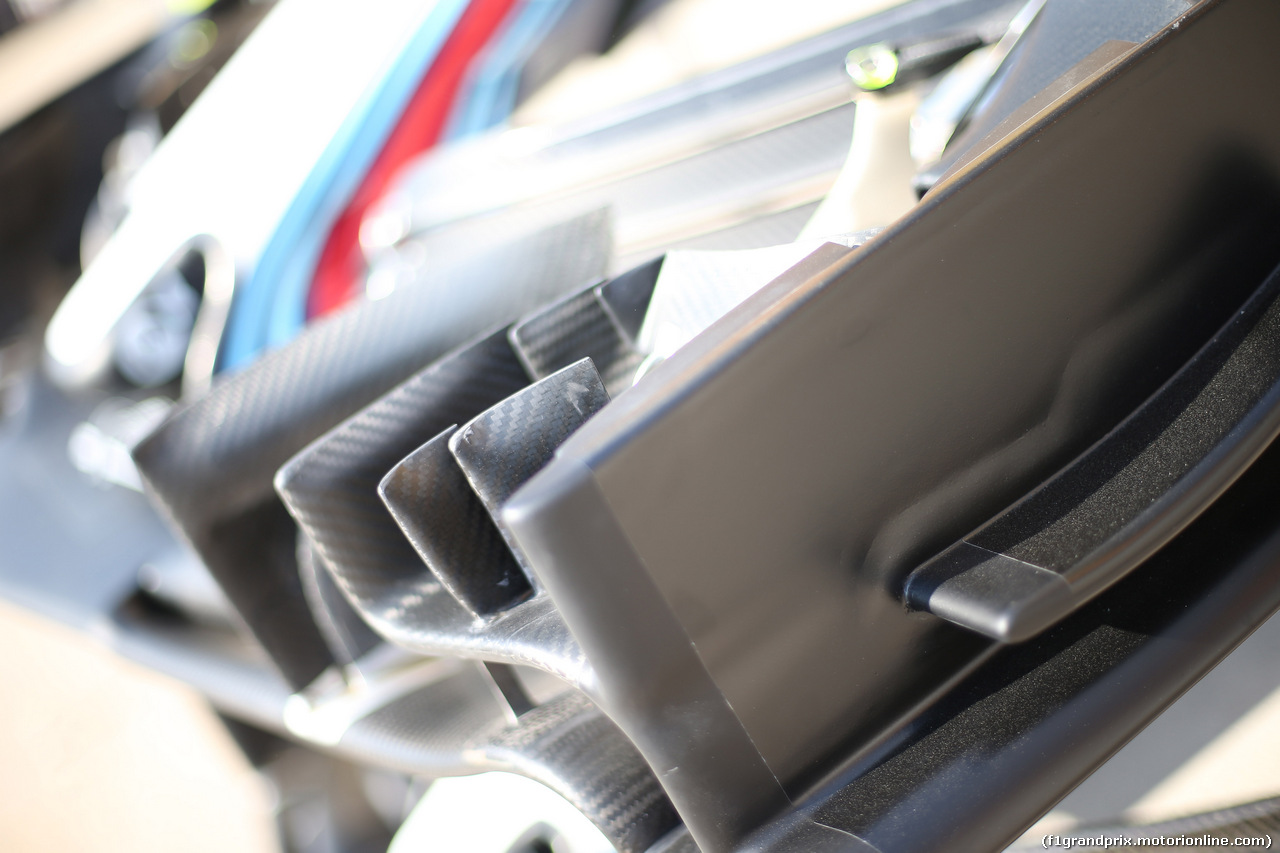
point(209, 467)
point(502, 448)
point(451, 530)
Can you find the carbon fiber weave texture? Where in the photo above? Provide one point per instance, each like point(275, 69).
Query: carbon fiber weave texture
point(568, 744)
point(215, 459)
point(331, 487)
point(451, 530)
point(347, 635)
point(576, 327)
point(506, 445)
point(571, 746)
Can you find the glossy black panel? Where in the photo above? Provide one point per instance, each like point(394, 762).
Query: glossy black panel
point(1036, 719)
point(1126, 496)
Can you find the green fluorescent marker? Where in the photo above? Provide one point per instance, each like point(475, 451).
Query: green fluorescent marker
point(872, 67)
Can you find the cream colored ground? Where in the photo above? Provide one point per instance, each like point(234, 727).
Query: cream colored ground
point(1240, 765)
point(97, 754)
